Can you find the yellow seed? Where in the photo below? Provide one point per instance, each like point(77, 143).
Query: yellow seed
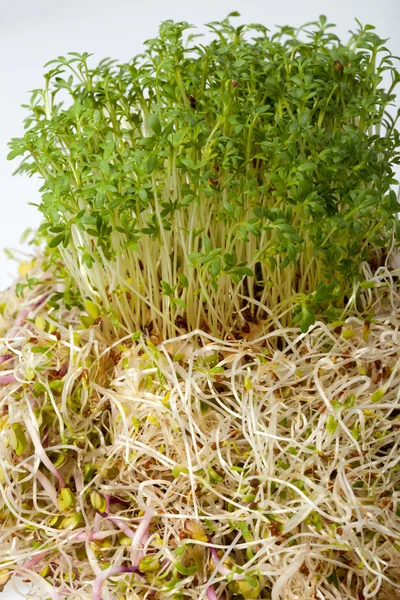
point(124, 540)
point(247, 590)
point(5, 575)
point(40, 322)
point(66, 499)
point(72, 521)
point(247, 384)
point(195, 531)
point(348, 333)
point(92, 309)
point(25, 267)
point(369, 413)
point(98, 502)
point(148, 564)
point(29, 374)
point(45, 571)
point(166, 398)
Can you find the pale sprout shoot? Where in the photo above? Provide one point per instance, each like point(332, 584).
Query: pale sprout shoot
point(196, 465)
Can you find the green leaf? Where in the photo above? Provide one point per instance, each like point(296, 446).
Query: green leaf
point(17, 439)
point(179, 302)
point(56, 241)
point(331, 424)
point(39, 349)
point(378, 395)
point(350, 401)
point(143, 194)
point(155, 124)
point(92, 309)
point(183, 570)
point(150, 164)
point(166, 289)
point(176, 471)
point(284, 263)
point(87, 260)
point(215, 267)
point(307, 166)
point(108, 150)
point(307, 319)
point(87, 321)
point(104, 168)
point(183, 280)
point(206, 242)
point(16, 152)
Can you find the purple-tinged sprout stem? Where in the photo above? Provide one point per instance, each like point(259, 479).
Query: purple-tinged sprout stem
point(122, 526)
point(117, 522)
point(29, 564)
point(45, 483)
point(110, 572)
point(211, 595)
point(6, 379)
point(221, 568)
point(4, 358)
point(141, 534)
point(143, 526)
point(83, 536)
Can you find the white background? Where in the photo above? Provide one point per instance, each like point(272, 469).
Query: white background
point(35, 31)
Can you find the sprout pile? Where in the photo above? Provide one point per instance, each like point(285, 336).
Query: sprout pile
point(200, 366)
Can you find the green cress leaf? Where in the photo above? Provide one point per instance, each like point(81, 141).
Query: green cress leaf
point(307, 166)
point(307, 319)
point(155, 124)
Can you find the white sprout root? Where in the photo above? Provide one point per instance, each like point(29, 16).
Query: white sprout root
point(260, 467)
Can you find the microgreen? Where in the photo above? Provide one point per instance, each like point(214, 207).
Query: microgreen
point(239, 194)
point(257, 165)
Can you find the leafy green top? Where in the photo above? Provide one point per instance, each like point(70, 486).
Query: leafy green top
point(256, 166)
